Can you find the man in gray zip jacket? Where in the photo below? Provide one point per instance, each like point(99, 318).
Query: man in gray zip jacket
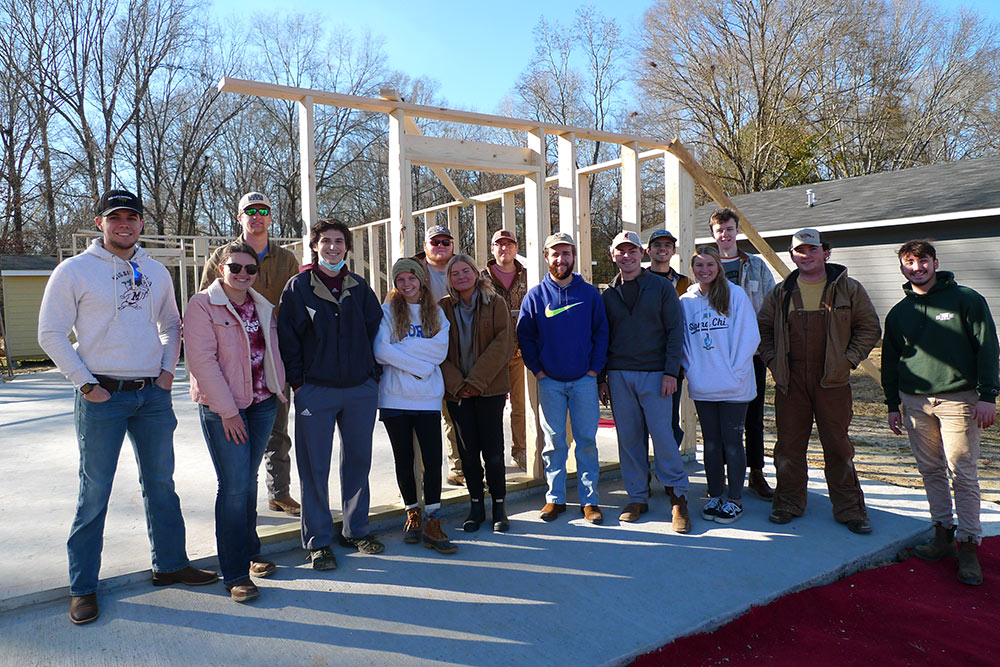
point(644, 355)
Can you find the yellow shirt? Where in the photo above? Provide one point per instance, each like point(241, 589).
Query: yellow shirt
point(812, 293)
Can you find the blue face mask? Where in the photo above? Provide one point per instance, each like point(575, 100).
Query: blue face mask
point(332, 267)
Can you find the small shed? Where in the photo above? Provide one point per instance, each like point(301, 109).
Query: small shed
point(23, 278)
point(867, 218)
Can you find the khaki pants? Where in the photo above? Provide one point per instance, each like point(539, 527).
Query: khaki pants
point(944, 438)
point(517, 428)
point(450, 441)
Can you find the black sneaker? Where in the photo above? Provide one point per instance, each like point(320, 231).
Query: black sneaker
point(323, 559)
point(728, 513)
point(711, 509)
point(368, 544)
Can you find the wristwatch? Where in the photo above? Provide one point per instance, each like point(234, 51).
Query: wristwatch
point(86, 388)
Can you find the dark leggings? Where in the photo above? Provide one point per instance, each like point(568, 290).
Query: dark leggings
point(479, 422)
point(427, 426)
point(722, 432)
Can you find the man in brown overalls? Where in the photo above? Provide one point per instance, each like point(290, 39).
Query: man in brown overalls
point(815, 327)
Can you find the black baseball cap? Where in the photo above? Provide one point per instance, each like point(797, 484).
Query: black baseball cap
point(112, 200)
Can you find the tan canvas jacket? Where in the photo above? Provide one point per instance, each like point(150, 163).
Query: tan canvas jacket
point(276, 268)
point(492, 343)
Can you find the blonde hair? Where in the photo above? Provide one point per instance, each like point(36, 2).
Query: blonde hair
point(718, 291)
point(400, 311)
point(483, 284)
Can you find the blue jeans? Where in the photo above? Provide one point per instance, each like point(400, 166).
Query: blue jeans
point(236, 501)
point(578, 398)
point(147, 416)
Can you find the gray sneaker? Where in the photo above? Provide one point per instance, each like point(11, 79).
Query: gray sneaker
point(323, 559)
point(711, 509)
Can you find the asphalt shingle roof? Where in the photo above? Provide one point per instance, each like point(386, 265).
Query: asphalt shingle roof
point(28, 262)
point(966, 185)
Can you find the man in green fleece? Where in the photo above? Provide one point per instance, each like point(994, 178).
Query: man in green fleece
point(940, 363)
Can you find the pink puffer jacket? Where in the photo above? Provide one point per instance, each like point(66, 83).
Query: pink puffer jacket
point(217, 351)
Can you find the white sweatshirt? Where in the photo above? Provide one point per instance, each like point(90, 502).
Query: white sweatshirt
point(718, 350)
point(411, 368)
point(125, 328)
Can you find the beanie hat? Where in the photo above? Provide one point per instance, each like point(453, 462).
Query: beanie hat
point(409, 265)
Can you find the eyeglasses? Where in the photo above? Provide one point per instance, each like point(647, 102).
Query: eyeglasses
point(257, 211)
point(136, 274)
point(235, 268)
point(441, 242)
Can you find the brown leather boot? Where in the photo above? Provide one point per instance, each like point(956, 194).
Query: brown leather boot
point(413, 526)
point(680, 518)
point(757, 483)
point(942, 545)
point(434, 537)
point(969, 571)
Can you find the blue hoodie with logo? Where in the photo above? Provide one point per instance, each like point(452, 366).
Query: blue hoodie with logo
point(563, 331)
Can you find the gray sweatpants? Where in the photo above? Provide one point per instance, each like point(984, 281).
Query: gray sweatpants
point(317, 411)
point(638, 407)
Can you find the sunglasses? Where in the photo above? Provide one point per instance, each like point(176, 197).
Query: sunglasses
point(257, 211)
point(235, 268)
point(441, 242)
point(136, 274)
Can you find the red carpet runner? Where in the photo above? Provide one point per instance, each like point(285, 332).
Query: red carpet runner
point(910, 613)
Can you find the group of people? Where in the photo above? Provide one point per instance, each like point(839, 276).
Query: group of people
point(449, 345)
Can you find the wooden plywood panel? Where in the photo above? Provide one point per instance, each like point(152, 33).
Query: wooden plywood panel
point(22, 301)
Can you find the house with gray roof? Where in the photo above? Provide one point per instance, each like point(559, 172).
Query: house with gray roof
point(867, 218)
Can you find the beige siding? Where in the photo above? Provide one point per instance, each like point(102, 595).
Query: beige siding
point(22, 297)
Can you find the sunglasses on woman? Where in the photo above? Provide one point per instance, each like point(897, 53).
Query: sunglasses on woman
point(235, 268)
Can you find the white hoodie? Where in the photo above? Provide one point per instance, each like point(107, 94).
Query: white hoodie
point(718, 350)
point(411, 370)
point(125, 328)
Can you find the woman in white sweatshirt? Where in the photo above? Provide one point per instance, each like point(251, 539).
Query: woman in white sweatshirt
point(412, 342)
point(720, 338)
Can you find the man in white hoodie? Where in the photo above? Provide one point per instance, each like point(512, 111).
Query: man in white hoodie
point(120, 304)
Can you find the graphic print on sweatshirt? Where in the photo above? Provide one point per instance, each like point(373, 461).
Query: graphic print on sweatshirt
point(135, 291)
point(710, 321)
point(552, 312)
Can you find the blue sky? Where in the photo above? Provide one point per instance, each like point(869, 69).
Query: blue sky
point(475, 50)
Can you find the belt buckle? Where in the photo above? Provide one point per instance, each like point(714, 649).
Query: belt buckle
point(142, 383)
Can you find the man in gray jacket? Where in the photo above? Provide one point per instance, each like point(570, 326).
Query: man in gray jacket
point(640, 377)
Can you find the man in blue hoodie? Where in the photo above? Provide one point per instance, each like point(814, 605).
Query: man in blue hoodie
point(563, 334)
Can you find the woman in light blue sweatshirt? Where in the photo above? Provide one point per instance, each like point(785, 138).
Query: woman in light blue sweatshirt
point(720, 339)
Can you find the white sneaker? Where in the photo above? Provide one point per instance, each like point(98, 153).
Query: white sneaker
point(711, 510)
point(728, 513)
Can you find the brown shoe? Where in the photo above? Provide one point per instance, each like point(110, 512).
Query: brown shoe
point(243, 590)
point(592, 513)
point(413, 526)
point(456, 478)
point(630, 513)
point(262, 568)
point(190, 576)
point(680, 518)
point(969, 570)
point(757, 483)
point(551, 511)
point(83, 608)
point(286, 504)
point(434, 537)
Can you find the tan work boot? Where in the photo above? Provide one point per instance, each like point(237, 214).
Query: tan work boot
point(969, 571)
point(680, 518)
point(413, 526)
point(942, 545)
point(434, 537)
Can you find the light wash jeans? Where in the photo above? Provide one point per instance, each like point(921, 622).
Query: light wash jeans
point(579, 399)
point(236, 467)
point(147, 416)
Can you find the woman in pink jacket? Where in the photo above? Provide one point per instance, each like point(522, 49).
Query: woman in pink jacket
point(231, 351)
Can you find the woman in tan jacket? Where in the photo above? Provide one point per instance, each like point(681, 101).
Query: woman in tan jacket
point(476, 381)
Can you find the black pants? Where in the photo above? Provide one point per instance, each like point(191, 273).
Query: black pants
point(754, 426)
point(479, 422)
point(427, 426)
point(721, 431)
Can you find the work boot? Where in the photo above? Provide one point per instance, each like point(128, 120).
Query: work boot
point(969, 571)
point(477, 515)
point(942, 545)
point(757, 483)
point(434, 537)
point(413, 526)
point(501, 524)
point(680, 518)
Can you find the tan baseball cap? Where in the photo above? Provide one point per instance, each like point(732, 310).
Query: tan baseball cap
point(503, 234)
point(557, 238)
point(253, 199)
point(806, 236)
point(626, 237)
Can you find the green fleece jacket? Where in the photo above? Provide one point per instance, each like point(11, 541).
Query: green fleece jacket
point(940, 342)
